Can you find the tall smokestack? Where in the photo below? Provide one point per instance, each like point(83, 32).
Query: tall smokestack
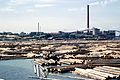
point(88, 18)
point(38, 28)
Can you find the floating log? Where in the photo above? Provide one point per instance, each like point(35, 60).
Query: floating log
point(111, 71)
point(115, 68)
point(44, 62)
point(63, 69)
point(70, 61)
point(105, 61)
point(98, 74)
point(102, 74)
point(88, 74)
point(113, 65)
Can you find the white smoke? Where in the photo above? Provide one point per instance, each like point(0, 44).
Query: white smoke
point(103, 2)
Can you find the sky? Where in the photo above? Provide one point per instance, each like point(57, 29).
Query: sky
point(58, 15)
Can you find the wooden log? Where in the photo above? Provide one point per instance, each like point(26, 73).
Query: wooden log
point(45, 62)
point(62, 69)
point(97, 75)
point(94, 65)
point(89, 74)
point(115, 68)
point(105, 61)
point(102, 74)
point(111, 71)
point(70, 61)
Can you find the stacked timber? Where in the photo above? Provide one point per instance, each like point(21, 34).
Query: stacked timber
point(87, 73)
point(100, 73)
point(70, 61)
point(67, 56)
point(107, 69)
point(64, 69)
point(44, 62)
point(66, 47)
point(105, 62)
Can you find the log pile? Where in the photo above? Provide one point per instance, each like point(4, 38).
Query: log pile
point(100, 73)
point(64, 69)
point(63, 56)
point(44, 62)
point(70, 61)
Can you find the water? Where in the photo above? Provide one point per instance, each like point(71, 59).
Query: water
point(16, 69)
point(22, 69)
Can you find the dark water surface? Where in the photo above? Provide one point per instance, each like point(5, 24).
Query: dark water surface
point(23, 68)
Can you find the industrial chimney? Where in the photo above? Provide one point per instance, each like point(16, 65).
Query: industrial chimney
point(38, 28)
point(88, 18)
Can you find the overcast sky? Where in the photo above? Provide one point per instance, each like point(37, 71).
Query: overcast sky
point(58, 15)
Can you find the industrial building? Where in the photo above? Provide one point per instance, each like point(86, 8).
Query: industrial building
point(87, 34)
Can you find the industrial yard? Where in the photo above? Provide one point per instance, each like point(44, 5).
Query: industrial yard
point(99, 60)
point(59, 40)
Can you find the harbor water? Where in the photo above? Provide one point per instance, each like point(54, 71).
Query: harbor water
point(22, 69)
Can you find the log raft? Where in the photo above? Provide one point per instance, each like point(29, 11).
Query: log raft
point(63, 69)
point(100, 73)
